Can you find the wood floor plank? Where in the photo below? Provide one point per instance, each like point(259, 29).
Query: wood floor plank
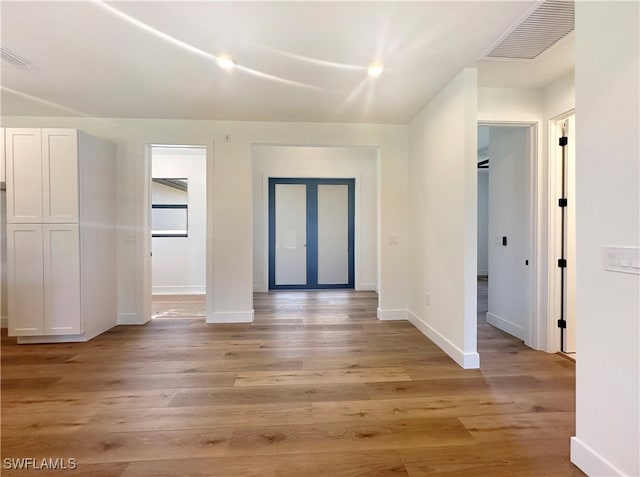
point(315, 386)
point(248, 466)
point(540, 457)
point(93, 448)
point(360, 464)
point(339, 376)
point(81, 469)
point(447, 406)
point(198, 417)
point(511, 426)
point(116, 381)
point(270, 394)
point(51, 402)
point(134, 368)
point(448, 386)
point(353, 464)
point(348, 436)
point(65, 420)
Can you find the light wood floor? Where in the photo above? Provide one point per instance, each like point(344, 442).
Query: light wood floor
point(172, 307)
point(316, 386)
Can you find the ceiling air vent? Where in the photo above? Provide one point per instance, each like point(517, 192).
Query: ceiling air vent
point(13, 58)
point(542, 28)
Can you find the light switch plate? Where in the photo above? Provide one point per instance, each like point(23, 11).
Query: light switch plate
point(621, 259)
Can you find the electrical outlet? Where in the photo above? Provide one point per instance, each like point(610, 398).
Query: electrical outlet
point(427, 299)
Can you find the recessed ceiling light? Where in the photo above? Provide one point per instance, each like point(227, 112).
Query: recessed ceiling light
point(375, 69)
point(226, 63)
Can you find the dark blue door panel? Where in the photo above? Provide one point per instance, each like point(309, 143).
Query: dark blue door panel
point(312, 232)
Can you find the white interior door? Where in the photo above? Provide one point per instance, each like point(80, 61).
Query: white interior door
point(509, 230)
point(333, 234)
point(291, 234)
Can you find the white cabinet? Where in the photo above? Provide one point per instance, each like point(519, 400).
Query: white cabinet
point(25, 267)
point(46, 160)
point(59, 176)
point(61, 235)
point(24, 175)
point(61, 247)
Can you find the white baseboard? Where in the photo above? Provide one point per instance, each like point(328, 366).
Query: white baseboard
point(391, 315)
point(230, 317)
point(465, 360)
point(590, 462)
point(179, 290)
point(367, 287)
point(52, 339)
point(259, 288)
point(128, 319)
point(506, 325)
point(4, 322)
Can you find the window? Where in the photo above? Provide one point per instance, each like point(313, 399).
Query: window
point(169, 207)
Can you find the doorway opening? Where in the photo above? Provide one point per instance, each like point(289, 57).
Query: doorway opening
point(178, 213)
point(506, 228)
point(327, 164)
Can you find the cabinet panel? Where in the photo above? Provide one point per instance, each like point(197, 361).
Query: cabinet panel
point(25, 284)
point(62, 279)
point(24, 175)
point(60, 175)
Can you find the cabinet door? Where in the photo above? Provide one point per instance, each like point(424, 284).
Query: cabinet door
point(60, 175)
point(24, 175)
point(62, 279)
point(25, 284)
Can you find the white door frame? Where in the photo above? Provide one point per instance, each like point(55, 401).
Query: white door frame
point(146, 226)
point(553, 230)
point(536, 325)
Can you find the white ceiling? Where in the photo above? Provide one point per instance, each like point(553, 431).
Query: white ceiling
point(297, 61)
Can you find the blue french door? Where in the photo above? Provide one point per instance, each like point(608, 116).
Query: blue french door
point(311, 233)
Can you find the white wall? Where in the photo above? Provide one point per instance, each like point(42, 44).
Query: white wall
point(559, 97)
point(359, 163)
point(509, 217)
point(443, 208)
point(179, 263)
point(483, 222)
point(229, 197)
point(607, 440)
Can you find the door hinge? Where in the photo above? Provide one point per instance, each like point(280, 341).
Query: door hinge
point(562, 263)
point(562, 324)
point(562, 202)
point(563, 141)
